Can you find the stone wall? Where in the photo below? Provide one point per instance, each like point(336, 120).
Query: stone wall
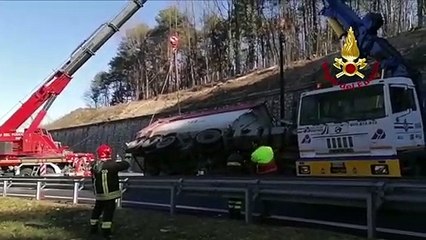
point(117, 133)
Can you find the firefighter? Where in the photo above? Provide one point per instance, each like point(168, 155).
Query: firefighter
point(235, 167)
point(263, 158)
point(106, 187)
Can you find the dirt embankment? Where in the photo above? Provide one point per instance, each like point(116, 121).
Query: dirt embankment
point(412, 46)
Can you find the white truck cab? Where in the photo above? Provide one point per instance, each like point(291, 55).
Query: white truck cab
point(359, 132)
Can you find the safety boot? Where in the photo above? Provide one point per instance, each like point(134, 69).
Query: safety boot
point(94, 230)
point(106, 233)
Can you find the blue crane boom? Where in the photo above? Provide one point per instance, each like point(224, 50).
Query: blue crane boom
point(341, 17)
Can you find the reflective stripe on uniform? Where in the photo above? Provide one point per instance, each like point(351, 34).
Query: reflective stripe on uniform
point(235, 204)
point(96, 167)
point(94, 221)
point(106, 225)
point(237, 164)
point(108, 196)
point(94, 186)
point(232, 206)
point(105, 181)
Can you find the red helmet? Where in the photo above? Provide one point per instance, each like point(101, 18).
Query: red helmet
point(104, 151)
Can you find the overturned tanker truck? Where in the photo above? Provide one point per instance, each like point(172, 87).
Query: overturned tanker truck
point(375, 130)
point(199, 143)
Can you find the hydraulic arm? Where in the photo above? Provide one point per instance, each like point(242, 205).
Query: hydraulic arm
point(341, 17)
point(55, 84)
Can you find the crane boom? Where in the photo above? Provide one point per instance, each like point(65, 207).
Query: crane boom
point(88, 48)
point(341, 17)
point(55, 84)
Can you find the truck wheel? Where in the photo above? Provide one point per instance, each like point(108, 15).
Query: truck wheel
point(26, 172)
point(167, 141)
point(151, 142)
point(134, 144)
point(208, 136)
point(139, 143)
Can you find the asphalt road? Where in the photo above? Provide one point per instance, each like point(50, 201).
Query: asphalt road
point(348, 219)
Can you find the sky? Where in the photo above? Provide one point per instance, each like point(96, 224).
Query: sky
point(36, 37)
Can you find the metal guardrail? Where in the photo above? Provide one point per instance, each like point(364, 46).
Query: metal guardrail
point(371, 195)
point(76, 184)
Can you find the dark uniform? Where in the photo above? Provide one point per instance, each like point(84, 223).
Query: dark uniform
point(106, 187)
point(235, 166)
point(264, 160)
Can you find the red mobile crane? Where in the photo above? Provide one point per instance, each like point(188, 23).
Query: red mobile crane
point(24, 153)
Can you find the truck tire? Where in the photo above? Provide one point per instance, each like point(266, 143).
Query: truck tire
point(151, 142)
point(167, 141)
point(139, 143)
point(133, 145)
point(208, 136)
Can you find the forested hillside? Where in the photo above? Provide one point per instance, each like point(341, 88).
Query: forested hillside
point(219, 40)
point(228, 51)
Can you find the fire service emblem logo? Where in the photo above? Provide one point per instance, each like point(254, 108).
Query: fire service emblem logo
point(349, 65)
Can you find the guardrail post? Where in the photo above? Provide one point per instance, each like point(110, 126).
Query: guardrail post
point(248, 205)
point(81, 185)
point(172, 200)
point(119, 200)
point(371, 215)
point(38, 190)
point(75, 192)
point(5, 186)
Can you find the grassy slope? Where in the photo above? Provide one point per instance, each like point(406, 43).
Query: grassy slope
point(31, 220)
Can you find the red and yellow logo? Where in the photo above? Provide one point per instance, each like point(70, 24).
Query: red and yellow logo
point(350, 65)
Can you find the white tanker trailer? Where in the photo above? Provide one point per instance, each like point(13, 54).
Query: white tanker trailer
point(202, 141)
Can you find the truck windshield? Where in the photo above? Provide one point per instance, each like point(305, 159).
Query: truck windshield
point(341, 106)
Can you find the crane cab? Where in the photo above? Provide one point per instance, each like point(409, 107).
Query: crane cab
point(375, 130)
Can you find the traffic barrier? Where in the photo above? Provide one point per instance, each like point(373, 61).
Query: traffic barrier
point(370, 195)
